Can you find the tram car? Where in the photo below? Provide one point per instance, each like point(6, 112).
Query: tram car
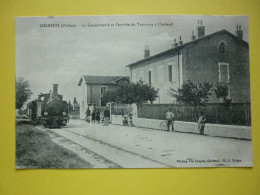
point(49, 109)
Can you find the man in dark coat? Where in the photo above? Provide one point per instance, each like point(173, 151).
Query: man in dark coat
point(106, 116)
point(93, 116)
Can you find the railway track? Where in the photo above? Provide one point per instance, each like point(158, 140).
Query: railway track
point(98, 153)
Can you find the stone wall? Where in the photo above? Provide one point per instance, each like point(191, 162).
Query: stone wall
point(230, 131)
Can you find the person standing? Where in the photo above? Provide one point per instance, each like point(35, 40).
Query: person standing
point(106, 116)
point(170, 119)
point(93, 116)
point(201, 123)
point(98, 117)
point(102, 117)
point(88, 115)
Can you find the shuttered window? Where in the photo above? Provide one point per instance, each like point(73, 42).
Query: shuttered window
point(224, 72)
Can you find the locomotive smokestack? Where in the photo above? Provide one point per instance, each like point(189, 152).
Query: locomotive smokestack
point(55, 91)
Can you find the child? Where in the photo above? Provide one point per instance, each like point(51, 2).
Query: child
point(201, 123)
point(125, 121)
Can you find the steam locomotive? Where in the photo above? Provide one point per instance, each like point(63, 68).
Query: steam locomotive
point(49, 109)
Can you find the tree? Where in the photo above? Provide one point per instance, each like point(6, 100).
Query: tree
point(23, 92)
point(130, 93)
point(192, 94)
point(110, 96)
point(221, 92)
point(223, 111)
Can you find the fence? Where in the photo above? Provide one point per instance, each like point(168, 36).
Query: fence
point(100, 109)
point(237, 114)
point(120, 109)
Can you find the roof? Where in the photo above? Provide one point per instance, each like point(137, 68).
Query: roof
point(178, 48)
point(112, 80)
point(122, 79)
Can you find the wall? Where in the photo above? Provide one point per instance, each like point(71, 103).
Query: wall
point(160, 75)
point(83, 100)
point(200, 63)
point(91, 94)
point(229, 131)
point(94, 93)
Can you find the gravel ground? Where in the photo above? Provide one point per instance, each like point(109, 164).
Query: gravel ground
point(133, 147)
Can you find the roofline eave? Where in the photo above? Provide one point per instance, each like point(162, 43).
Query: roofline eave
point(185, 44)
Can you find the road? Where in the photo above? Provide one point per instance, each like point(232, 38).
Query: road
point(116, 146)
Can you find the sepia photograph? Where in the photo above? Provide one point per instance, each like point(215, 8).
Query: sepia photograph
point(132, 91)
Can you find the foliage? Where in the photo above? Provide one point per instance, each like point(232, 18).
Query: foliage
point(224, 112)
point(129, 93)
point(110, 96)
point(192, 94)
point(221, 92)
point(23, 92)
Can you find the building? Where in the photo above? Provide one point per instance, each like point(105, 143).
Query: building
point(92, 89)
point(218, 57)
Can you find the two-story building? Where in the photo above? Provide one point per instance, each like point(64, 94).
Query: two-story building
point(217, 57)
point(92, 89)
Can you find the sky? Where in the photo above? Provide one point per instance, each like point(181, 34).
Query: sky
point(85, 45)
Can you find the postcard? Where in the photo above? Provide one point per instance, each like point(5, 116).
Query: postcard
point(132, 91)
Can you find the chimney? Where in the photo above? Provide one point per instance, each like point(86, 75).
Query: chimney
point(180, 41)
point(193, 37)
point(200, 29)
point(239, 32)
point(55, 91)
point(146, 52)
point(175, 44)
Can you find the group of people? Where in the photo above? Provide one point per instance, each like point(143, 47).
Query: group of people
point(170, 121)
point(98, 117)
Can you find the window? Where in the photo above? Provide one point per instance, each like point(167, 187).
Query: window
point(223, 72)
point(103, 90)
point(170, 72)
point(222, 48)
point(150, 77)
